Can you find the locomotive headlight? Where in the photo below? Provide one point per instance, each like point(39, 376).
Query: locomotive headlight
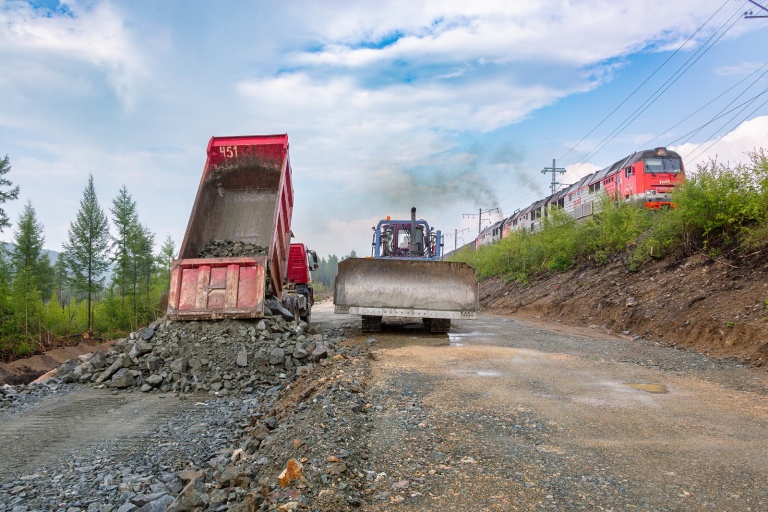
point(650, 192)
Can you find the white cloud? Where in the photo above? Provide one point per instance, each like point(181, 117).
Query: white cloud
point(732, 148)
point(574, 173)
point(39, 43)
point(741, 69)
point(497, 32)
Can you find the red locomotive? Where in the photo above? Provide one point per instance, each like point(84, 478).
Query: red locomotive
point(646, 177)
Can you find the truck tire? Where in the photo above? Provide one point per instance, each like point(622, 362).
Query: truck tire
point(371, 323)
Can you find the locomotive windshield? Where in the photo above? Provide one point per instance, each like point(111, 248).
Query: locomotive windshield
point(667, 164)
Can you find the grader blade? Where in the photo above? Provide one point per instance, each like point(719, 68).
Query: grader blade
point(375, 287)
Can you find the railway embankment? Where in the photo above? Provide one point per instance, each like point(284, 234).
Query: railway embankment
point(715, 306)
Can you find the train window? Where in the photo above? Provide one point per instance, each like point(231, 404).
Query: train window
point(628, 172)
point(654, 165)
point(668, 165)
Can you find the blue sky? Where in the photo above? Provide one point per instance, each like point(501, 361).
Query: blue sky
point(445, 106)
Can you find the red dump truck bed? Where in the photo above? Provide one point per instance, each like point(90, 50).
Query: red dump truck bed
point(245, 195)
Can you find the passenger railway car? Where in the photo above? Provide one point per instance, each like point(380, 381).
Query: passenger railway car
point(646, 177)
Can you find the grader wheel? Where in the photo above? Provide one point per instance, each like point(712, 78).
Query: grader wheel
point(371, 323)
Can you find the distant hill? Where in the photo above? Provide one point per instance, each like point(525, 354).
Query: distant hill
point(52, 255)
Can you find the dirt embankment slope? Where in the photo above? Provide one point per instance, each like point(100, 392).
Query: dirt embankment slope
point(715, 306)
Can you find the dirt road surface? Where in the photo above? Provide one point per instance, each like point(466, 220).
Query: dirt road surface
point(498, 415)
point(61, 425)
point(505, 415)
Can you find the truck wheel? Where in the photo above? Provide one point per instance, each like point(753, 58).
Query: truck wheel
point(371, 323)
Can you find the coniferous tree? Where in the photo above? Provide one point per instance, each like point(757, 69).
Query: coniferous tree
point(30, 266)
point(126, 220)
point(142, 268)
point(60, 280)
point(167, 253)
point(5, 280)
point(86, 251)
point(146, 265)
point(7, 192)
point(46, 275)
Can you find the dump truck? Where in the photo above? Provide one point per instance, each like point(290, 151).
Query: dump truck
point(233, 261)
point(406, 277)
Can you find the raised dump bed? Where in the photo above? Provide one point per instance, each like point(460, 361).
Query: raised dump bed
point(245, 198)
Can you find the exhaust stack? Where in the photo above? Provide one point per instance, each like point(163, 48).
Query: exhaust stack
point(413, 247)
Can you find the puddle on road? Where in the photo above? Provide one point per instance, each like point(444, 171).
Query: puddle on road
point(488, 373)
point(656, 389)
point(457, 339)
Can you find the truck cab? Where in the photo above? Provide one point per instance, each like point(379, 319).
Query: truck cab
point(298, 294)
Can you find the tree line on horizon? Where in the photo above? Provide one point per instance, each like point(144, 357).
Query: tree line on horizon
point(41, 301)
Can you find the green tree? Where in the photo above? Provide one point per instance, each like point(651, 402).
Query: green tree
point(165, 259)
point(60, 280)
point(7, 191)
point(146, 265)
point(86, 251)
point(30, 266)
point(126, 221)
point(5, 279)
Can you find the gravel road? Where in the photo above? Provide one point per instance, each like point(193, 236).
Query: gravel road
point(505, 415)
point(498, 415)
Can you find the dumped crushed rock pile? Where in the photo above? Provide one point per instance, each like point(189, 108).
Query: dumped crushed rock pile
point(220, 358)
point(231, 249)
point(304, 450)
point(11, 395)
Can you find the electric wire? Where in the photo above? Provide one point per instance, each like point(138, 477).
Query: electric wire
point(579, 164)
point(643, 83)
point(700, 52)
point(690, 158)
point(710, 102)
point(718, 116)
point(691, 135)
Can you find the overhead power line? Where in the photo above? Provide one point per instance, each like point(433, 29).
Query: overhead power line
point(710, 102)
point(479, 214)
point(722, 110)
point(528, 182)
point(664, 87)
point(643, 83)
point(689, 157)
point(720, 114)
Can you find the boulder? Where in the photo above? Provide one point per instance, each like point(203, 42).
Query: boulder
point(123, 378)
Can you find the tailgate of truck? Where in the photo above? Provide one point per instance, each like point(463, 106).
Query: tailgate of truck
point(213, 288)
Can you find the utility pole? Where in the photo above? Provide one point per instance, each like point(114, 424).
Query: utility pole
point(479, 214)
point(554, 170)
point(456, 236)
